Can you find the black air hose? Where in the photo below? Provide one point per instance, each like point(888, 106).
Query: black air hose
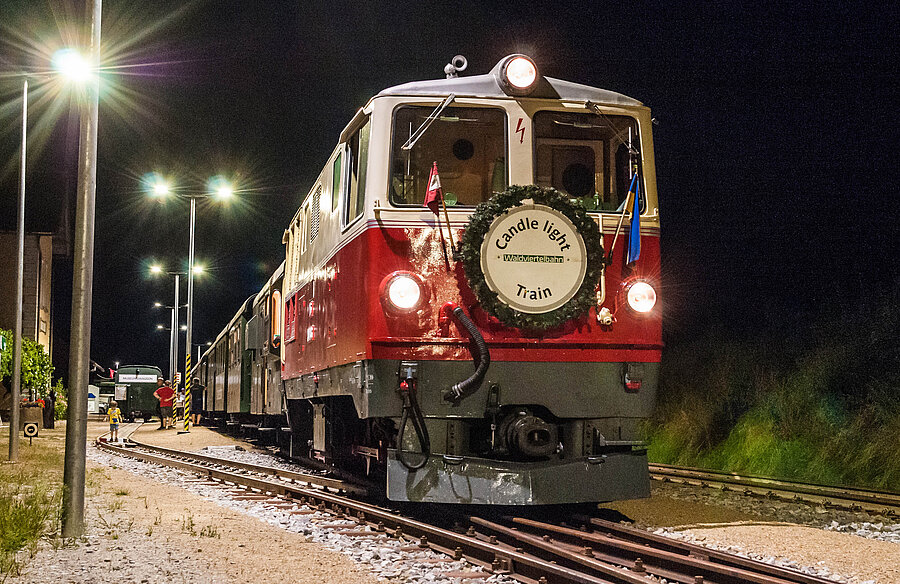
point(411, 405)
point(482, 360)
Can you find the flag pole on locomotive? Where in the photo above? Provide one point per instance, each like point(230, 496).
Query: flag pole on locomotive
point(434, 199)
point(634, 235)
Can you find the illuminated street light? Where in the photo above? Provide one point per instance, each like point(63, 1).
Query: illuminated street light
point(73, 67)
point(221, 189)
point(160, 327)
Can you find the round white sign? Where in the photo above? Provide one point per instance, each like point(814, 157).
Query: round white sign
point(533, 258)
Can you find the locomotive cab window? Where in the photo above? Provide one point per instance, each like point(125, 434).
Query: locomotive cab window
point(587, 157)
point(355, 182)
point(468, 145)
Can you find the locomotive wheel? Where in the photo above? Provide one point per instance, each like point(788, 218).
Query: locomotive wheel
point(534, 265)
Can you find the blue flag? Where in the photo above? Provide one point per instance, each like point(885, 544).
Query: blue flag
point(634, 238)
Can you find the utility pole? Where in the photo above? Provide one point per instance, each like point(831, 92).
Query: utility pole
point(82, 290)
point(20, 284)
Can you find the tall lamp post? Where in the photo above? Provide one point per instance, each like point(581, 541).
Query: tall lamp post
point(173, 344)
point(82, 288)
point(172, 328)
point(20, 296)
point(73, 68)
point(221, 189)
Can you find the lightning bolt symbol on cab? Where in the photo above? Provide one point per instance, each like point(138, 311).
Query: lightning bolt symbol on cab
point(520, 129)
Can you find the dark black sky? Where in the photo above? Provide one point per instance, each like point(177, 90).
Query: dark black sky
point(775, 148)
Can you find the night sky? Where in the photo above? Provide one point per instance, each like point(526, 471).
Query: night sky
point(775, 143)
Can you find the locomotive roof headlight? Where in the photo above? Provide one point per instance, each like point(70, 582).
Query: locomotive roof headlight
point(518, 75)
point(402, 292)
point(641, 297)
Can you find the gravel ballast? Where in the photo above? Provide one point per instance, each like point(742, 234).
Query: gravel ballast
point(147, 523)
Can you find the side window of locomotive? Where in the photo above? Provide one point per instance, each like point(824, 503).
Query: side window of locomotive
point(468, 145)
point(587, 157)
point(336, 183)
point(315, 213)
point(355, 185)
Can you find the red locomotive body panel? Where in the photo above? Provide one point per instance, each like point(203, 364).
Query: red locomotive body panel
point(340, 317)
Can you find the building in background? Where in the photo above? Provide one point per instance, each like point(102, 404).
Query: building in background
point(36, 309)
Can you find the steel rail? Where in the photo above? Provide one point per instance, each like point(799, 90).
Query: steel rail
point(649, 556)
point(881, 502)
point(644, 537)
point(262, 470)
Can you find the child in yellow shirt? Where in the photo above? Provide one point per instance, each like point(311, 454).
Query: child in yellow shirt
point(115, 416)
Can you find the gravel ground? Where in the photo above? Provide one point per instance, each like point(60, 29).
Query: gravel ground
point(151, 524)
point(142, 527)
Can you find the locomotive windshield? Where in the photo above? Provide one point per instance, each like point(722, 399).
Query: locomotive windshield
point(468, 145)
point(587, 156)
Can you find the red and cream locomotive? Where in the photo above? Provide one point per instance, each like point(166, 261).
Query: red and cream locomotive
point(499, 342)
point(497, 346)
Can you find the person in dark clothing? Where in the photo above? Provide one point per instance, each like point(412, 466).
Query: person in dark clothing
point(197, 392)
point(50, 410)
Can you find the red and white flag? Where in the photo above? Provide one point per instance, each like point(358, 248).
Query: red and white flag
point(435, 195)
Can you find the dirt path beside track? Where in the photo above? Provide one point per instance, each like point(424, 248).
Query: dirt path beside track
point(142, 531)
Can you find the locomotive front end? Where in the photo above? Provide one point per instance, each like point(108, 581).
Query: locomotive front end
point(495, 334)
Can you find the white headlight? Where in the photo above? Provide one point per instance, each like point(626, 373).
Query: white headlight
point(521, 72)
point(404, 292)
point(641, 297)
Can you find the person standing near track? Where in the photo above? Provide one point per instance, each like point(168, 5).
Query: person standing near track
point(159, 383)
point(196, 400)
point(165, 395)
point(115, 417)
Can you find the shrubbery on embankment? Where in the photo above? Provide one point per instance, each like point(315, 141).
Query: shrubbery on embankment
point(821, 404)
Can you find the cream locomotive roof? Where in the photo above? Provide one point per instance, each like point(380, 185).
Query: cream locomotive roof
point(488, 85)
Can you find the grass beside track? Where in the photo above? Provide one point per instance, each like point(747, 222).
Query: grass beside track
point(817, 403)
point(30, 494)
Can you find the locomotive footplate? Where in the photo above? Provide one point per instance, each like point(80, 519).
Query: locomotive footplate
point(481, 481)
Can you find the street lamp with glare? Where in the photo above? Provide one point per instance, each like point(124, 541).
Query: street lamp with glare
point(217, 187)
point(72, 67)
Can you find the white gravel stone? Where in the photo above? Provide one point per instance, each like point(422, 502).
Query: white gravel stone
point(380, 554)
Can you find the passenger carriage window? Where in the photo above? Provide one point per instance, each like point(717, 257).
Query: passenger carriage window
point(355, 186)
point(587, 157)
point(468, 144)
point(336, 182)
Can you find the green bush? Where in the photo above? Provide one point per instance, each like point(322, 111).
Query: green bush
point(820, 407)
point(37, 368)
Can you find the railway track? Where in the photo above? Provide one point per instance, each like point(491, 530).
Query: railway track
point(828, 496)
point(526, 550)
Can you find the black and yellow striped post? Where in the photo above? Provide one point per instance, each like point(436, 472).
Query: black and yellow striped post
point(187, 392)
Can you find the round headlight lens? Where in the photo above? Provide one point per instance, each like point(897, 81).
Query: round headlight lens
point(404, 292)
point(641, 297)
point(521, 72)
